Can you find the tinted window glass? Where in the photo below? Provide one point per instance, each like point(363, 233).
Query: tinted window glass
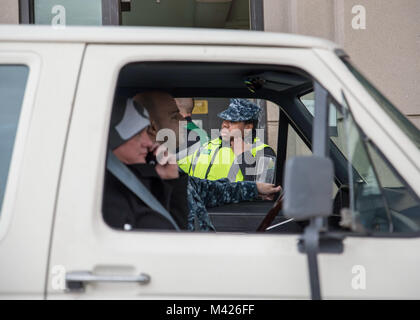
point(403, 206)
point(366, 199)
point(12, 88)
point(378, 197)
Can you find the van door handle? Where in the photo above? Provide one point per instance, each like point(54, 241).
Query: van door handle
point(76, 280)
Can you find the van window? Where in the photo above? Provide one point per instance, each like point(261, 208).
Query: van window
point(378, 197)
point(244, 147)
point(201, 152)
point(12, 88)
point(403, 207)
point(295, 145)
point(400, 120)
point(366, 198)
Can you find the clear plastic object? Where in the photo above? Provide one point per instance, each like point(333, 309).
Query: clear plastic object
point(266, 169)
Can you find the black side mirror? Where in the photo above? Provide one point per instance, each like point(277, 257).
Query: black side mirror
point(308, 184)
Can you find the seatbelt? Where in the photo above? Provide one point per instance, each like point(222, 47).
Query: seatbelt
point(128, 179)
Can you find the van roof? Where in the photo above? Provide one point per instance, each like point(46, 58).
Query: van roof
point(157, 35)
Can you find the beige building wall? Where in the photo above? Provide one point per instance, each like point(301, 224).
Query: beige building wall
point(9, 12)
point(387, 51)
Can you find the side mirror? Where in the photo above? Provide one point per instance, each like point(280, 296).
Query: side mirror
point(308, 188)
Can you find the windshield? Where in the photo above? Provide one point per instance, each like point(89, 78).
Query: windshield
point(405, 125)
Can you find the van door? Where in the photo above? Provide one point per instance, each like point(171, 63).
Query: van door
point(35, 106)
point(120, 264)
point(379, 258)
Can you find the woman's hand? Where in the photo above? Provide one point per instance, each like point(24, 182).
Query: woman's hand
point(267, 190)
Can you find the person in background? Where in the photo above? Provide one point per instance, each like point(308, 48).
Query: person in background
point(185, 107)
point(236, 150)
point(195, 136)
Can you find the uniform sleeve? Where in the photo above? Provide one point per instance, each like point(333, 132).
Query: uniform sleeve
point(197, 210)
point(218, 192)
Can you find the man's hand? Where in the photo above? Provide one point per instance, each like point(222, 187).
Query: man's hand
point(267, 190)
point(166, 166)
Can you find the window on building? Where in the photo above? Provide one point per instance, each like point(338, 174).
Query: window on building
point(221, 14)
point(68, 12)
point(229, 14)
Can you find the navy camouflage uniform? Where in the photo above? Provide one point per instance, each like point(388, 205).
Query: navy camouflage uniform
point(240, 110)
point(206, 193)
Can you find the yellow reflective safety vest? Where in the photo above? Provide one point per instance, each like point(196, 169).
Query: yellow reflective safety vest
point(213, 162)
point(185, 156)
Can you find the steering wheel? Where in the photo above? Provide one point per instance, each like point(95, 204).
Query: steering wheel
point(272, 214)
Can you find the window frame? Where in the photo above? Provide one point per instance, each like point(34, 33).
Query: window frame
point(111, 12)
point(33, 62)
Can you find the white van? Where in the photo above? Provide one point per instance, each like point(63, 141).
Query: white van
point(360, 189)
